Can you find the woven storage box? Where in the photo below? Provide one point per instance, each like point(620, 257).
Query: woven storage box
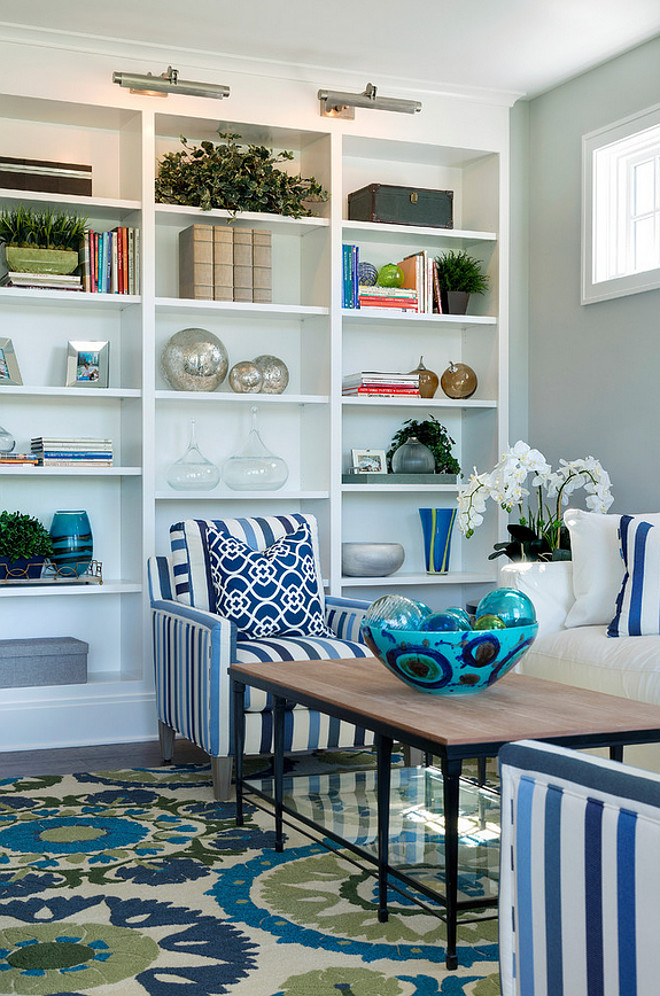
point(50, 660)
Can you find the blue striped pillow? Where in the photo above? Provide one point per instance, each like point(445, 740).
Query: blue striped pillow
point(638, 602)
point(275, 592)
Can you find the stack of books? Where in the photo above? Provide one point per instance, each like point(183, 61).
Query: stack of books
point(45, 281)
point(223, 263)
point(421, 277)
point(82, 451)
point(110, 261)
point(380, 384)
point(399, 298)
point(18, 459)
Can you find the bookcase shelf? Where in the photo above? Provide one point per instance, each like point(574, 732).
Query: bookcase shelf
point(310, 425)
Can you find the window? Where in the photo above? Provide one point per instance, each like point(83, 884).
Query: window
point(621, 208)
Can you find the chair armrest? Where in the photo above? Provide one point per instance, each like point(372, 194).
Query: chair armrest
point(344, 617)
point(193, 650)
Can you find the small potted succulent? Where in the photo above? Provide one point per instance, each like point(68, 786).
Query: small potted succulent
point(24, 546)
point(459, 275)
point(41, 241)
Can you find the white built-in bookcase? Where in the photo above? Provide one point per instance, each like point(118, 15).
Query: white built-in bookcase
point(130, 505)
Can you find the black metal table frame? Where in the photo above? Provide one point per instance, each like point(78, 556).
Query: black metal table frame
point(451, 757)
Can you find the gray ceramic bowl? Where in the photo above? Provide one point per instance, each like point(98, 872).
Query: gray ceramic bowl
point(371, 560)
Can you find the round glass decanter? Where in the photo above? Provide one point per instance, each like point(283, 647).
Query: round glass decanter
point(193, 472)
point(254, 467)
point(7, 441)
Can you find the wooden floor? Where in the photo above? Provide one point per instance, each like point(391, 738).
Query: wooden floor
point(106, 757)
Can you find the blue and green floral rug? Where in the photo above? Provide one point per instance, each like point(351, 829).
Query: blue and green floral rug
point(135, 882)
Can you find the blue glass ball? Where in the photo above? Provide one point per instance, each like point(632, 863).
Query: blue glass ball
point(513, 607)
point(461, 614)
point(396, 612)
point(443, 622)
point(367, 274)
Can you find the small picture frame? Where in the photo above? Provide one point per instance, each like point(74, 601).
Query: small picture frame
point(369, 462)
point(87, 364)
point(9, 372)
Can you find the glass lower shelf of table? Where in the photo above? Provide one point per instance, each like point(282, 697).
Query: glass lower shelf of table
point(343, 803)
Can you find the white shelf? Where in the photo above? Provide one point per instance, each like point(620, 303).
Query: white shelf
point(383, 316)
point(224, 397)
point(238, 309)
point(399, 488)
point(394, 580)
point(97, 207)
point(181, 215)
point(68, 299)
point(84, 393)
point(225, 495)
point(60, 588)
point(413, 402)
point(369, 231)
point(31, 471)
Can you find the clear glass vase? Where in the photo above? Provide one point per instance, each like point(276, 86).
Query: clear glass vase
point(7, 441)
point(254, 467)
point(193, 472)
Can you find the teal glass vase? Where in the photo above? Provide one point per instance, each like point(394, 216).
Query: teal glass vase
point(437, 525)
point(73, 544)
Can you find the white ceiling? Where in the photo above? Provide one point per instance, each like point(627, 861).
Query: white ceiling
point(522, 46)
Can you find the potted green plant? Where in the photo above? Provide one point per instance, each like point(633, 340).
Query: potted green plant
point(24, 545)
point(433, 434)
point(235, 178)
point(459, 275)
point(41, 241)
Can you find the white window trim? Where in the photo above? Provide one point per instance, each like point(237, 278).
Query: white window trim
point(633, 283)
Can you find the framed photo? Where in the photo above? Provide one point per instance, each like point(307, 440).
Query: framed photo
point(9, 372)
point(87, 364)
point(369, 461)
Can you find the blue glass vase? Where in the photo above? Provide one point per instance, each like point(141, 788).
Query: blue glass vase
point(437, 524)
point(72, 539)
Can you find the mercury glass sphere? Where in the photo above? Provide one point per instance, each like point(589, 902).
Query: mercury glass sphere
point(246, 378)
point(274, 372)
point(194, 360)
point(396, 612)
point(513, 607)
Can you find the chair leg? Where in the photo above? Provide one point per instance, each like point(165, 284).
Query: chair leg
point(221, 769)
point(166, 736)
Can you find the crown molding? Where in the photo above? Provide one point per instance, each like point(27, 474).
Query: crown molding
point(200, 59)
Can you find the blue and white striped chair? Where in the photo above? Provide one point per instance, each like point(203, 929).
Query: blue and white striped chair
point(579, 875)
point(194, 647)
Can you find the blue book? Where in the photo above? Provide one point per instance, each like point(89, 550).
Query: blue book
point(354, 276)
point(347, 280)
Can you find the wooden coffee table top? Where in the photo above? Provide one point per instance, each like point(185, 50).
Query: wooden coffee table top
point(517, 707)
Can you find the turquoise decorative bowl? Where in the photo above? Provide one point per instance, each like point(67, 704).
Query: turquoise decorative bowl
point(459, 662)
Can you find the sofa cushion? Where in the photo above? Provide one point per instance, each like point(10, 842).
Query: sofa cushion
point(550, 587)
point(291, 649)
point(193, 584)
point(638, 602)
point(597, 566)
point(276, 592)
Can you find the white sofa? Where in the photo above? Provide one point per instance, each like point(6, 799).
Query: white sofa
point(575, 602)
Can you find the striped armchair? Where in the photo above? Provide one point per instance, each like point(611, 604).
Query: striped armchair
point(194, 647)
point(580, 875)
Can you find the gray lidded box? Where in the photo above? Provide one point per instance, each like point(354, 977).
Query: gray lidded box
point(49, 660)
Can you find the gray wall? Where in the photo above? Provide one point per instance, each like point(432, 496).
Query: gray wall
point(594, 371)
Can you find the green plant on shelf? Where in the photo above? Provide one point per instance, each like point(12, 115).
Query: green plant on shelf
point(458, 271)
point(24, 227)
point(23, 536)
point(432, 434)
point(234, 177)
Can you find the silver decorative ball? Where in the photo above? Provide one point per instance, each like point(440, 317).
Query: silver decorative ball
point(245, 378)
point(274, 372)
point(194, 360)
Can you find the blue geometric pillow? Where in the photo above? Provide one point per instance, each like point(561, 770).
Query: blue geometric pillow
point(274, 593)
point(638, 602)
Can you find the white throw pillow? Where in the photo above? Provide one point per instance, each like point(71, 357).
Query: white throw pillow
point(548, 585)
point(597, 566)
